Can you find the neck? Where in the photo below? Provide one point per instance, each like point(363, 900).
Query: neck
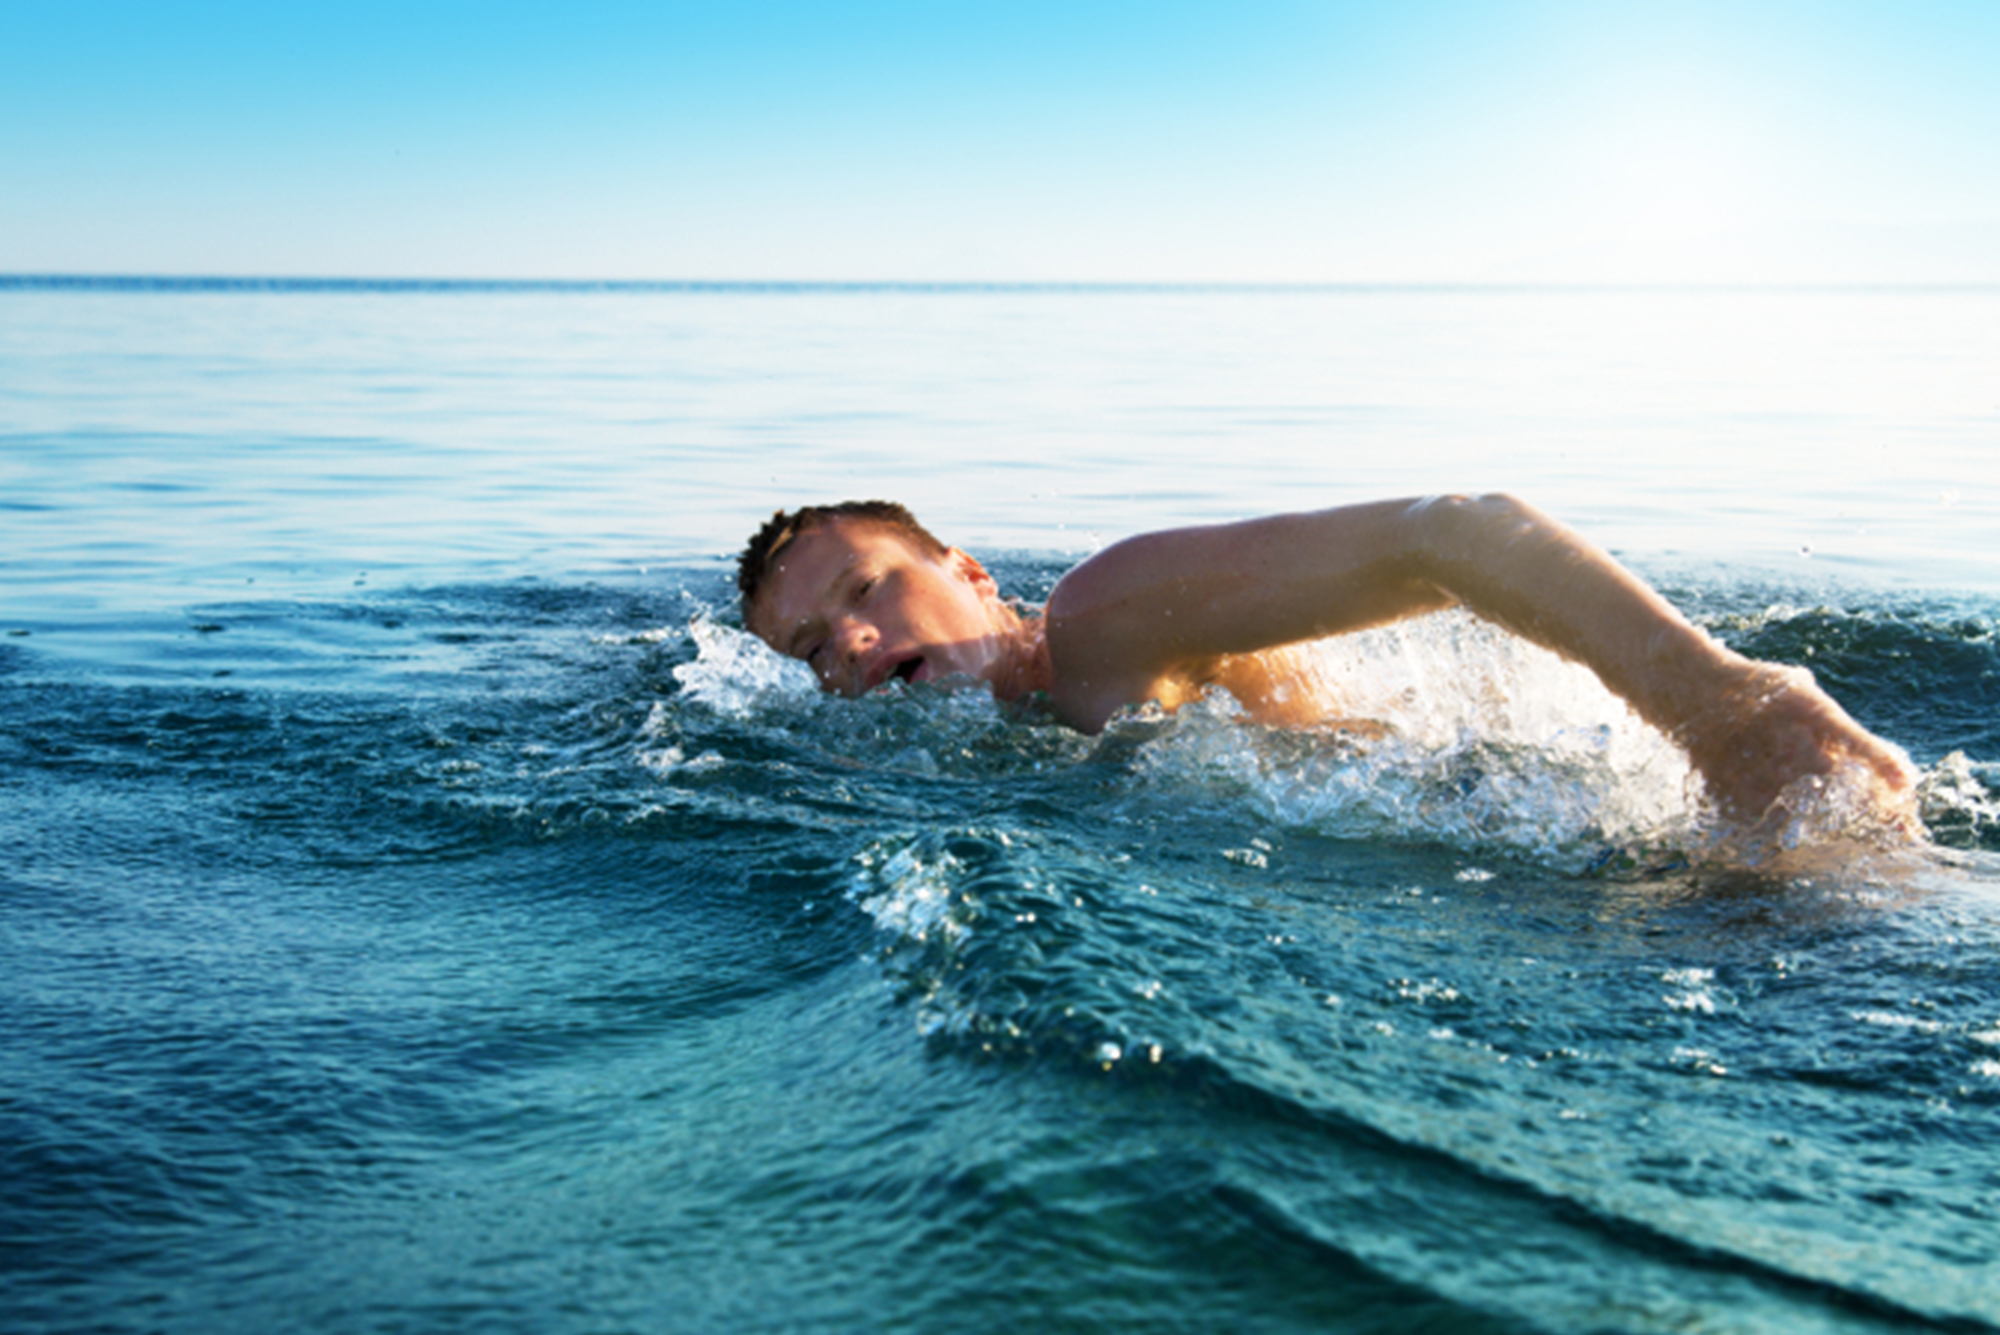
point(1023, 667)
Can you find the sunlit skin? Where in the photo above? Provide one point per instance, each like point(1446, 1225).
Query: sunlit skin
point(860, 605)
point(1163, 616)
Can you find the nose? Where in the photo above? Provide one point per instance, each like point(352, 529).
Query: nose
point(853, 637)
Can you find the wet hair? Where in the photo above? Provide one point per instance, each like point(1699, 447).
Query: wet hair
point(754, 565)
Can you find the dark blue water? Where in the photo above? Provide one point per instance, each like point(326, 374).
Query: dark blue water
point(413, 922)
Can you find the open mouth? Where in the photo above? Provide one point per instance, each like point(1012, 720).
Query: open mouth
point(907, 669)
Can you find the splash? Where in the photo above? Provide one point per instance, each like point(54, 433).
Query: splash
point(947, 728)
point(1957, 800)
point(1460, 734)
point(915, 891)
point(737, 674)
point(910, 891)
point(1451, 732)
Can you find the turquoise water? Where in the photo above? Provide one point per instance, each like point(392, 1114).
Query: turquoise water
point(425, 910)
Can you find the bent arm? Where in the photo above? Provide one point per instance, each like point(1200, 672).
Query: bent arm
point(1161, 605)
point(1164, 605)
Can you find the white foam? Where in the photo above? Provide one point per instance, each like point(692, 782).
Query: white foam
point(1960, 791)
point(1891, 1020)
point(736, 673)
point(657, 635)
point(909, 894)
point(1486, 740)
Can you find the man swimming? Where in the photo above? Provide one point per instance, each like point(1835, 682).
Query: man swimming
point(864, 594)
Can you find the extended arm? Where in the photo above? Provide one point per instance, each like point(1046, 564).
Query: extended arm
point(1160, 606)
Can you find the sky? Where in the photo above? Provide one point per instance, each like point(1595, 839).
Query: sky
point(1253, 141)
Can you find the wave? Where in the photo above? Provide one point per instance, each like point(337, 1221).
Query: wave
point(576, 910)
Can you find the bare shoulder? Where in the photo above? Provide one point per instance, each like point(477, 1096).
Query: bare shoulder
point(1155, 610)
point(1102, 632)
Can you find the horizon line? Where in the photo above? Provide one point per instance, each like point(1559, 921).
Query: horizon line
point(139, 282)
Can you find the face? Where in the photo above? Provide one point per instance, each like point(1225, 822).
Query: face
point(861, 605)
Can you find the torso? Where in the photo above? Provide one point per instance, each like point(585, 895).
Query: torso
point(1278, 687)
point(1275, 686)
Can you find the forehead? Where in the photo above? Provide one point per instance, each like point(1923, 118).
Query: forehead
point(805, 569)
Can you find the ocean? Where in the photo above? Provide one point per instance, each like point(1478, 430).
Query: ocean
point(425, 909)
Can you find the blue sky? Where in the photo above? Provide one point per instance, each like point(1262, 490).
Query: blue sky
point(1252, 141)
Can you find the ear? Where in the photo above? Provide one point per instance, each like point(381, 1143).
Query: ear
point(966, 566)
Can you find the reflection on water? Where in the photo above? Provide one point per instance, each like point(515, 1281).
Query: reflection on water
point(425, 909)
point(209, 438)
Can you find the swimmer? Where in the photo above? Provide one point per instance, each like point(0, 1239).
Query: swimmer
point(863, 594)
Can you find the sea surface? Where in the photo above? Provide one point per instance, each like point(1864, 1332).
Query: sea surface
point(423, 909)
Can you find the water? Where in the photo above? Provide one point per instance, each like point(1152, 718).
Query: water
point(424, 910)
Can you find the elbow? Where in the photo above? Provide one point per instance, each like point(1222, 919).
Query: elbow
point(1446, 523)
point(1458, 507)
point(1459, 541)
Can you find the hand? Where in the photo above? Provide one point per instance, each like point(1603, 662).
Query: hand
point(1775, 732)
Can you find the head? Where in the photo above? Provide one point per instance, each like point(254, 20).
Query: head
point(753, 567)
point(864, 593)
